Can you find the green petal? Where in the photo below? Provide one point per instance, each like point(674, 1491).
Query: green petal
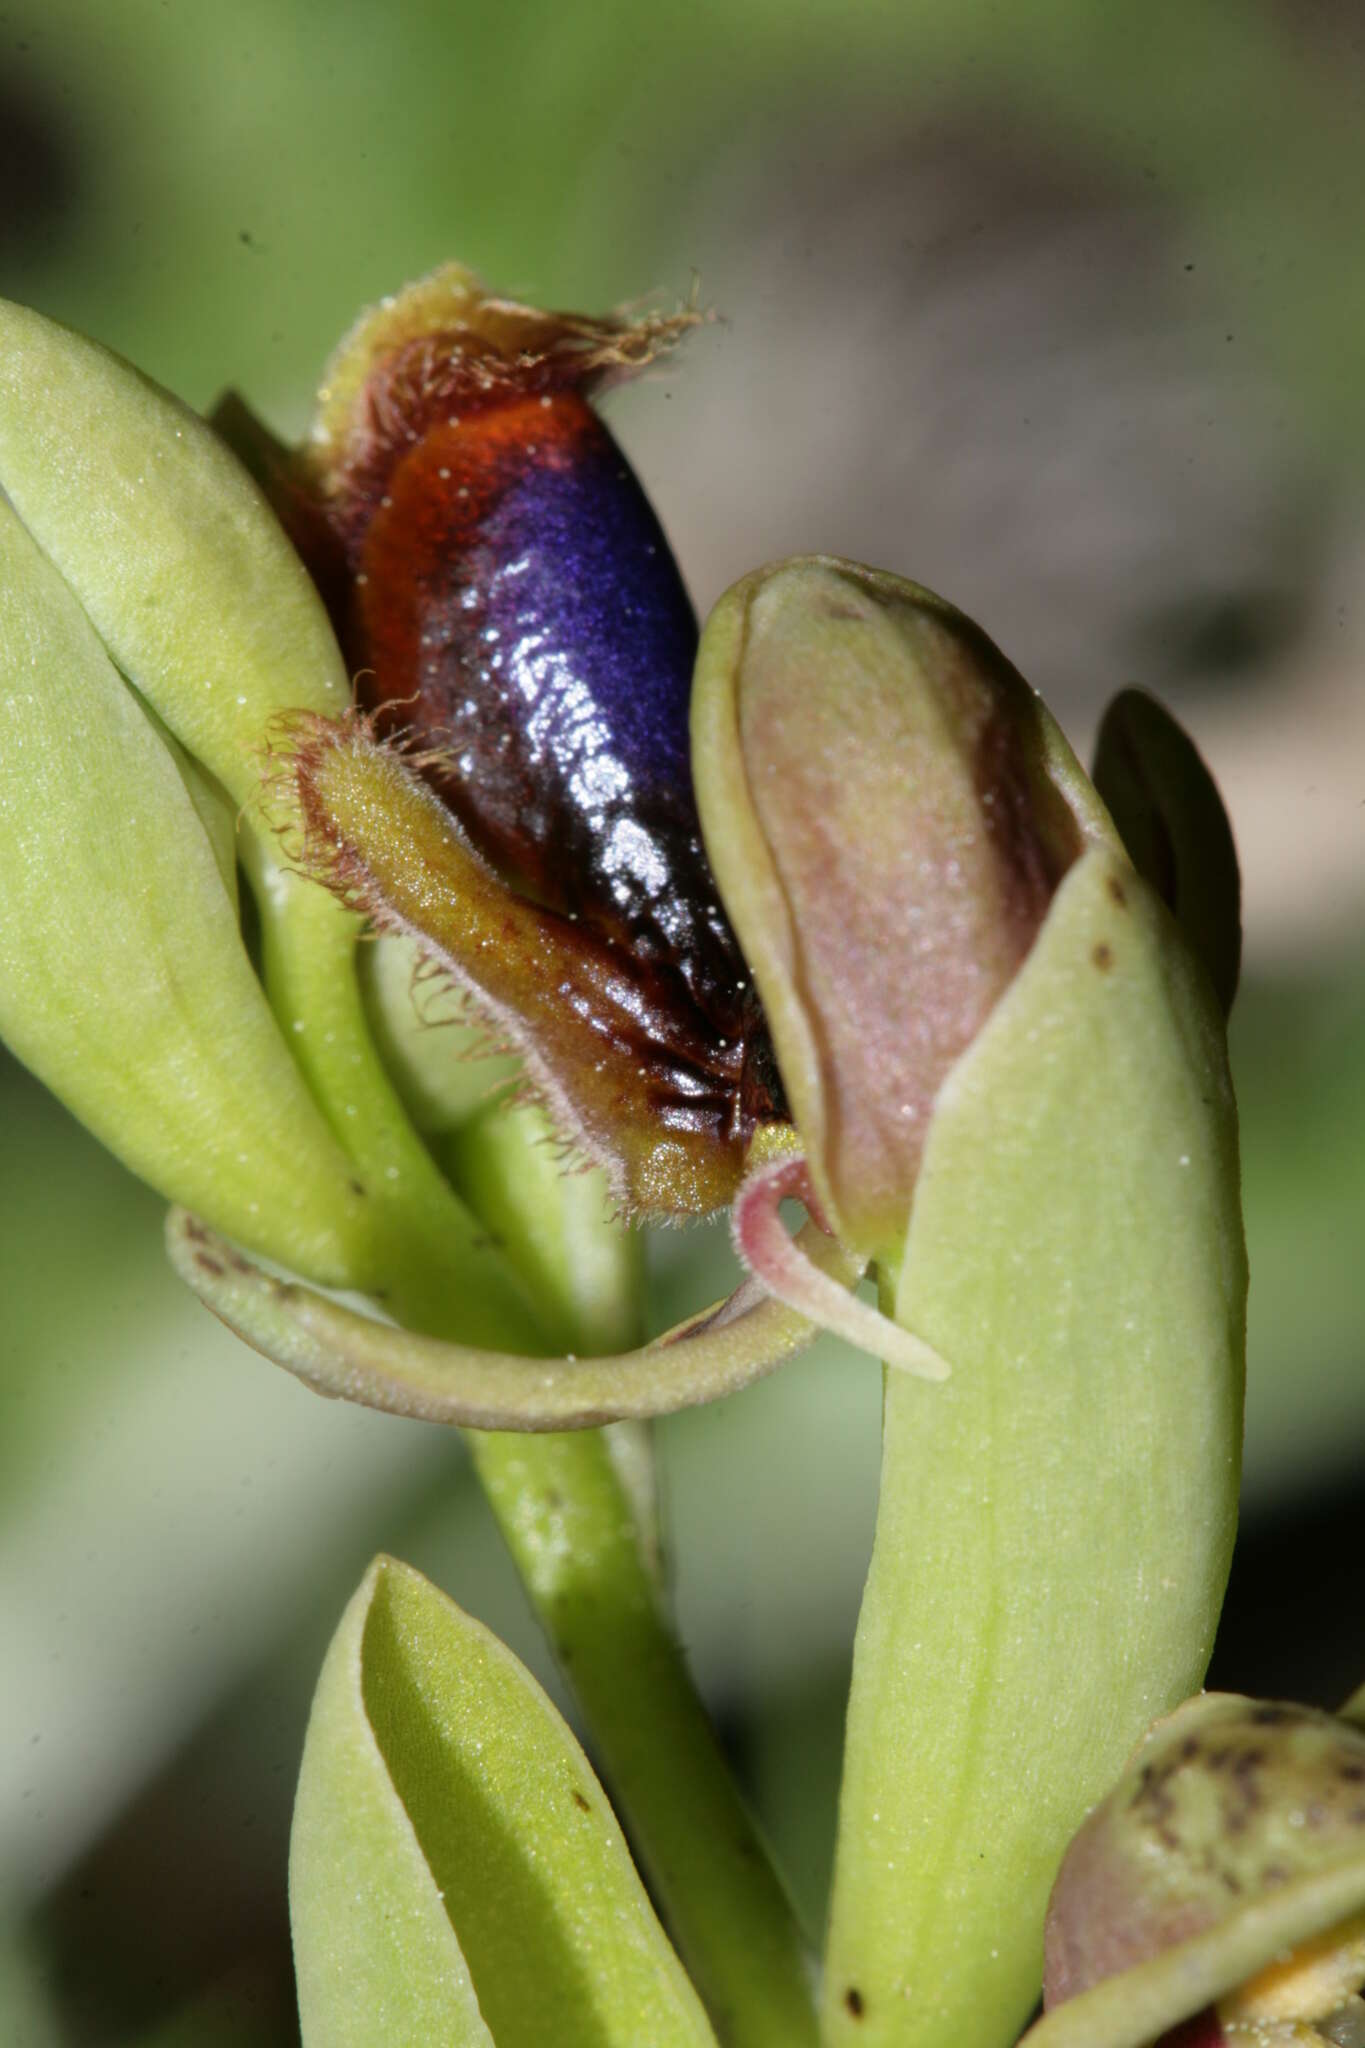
point(437, 1053)
point(351, 1356)
point(123, 982)
point(456, 1873)
point(442, 1267)
point(1056, 1519)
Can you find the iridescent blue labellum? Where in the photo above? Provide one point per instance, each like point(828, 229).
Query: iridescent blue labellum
point(510, 608)
point(517, 606)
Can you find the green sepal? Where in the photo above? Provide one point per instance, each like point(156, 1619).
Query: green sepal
point(457, 1877)
point(123, 981)
point(353, 1357)
point(1056, 1519)
point(194, 589)
point(179, 563)
point(1172, 822)
point(212, 806)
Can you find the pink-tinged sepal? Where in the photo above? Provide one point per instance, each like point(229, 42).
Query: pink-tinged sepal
point(1217, 1895)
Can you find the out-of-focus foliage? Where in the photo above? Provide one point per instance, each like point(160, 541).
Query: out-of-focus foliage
point(913, 368)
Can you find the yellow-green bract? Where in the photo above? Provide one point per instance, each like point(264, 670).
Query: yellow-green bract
point(1056, 1522)
point(457, 1877)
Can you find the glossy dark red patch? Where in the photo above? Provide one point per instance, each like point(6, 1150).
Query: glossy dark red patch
point(1203, 2031)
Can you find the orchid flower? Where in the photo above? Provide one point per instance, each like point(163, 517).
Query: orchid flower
point(394, 879)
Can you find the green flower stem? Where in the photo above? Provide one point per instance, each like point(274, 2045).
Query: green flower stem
point(437, 1260)
point(568, 1521)
point(576, 1510)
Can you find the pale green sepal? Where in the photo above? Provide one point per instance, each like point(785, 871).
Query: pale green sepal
point(1056, 1519)
point(354, 1358)
point(456, 1873)
point(190, 581)
point(182, 567)
point(1132, 2009)
point(123, 981)
point(211, 805)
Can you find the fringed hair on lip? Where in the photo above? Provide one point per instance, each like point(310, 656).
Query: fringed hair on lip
point(443, 347)
point(626, 1071)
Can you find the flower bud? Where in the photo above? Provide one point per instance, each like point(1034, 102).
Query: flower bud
point(889, 810)
point(1220, 1885)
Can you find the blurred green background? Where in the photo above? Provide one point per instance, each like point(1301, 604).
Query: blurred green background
point(1058, 307)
